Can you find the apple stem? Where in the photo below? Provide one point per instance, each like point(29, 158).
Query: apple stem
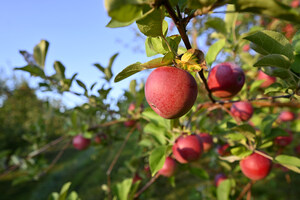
point(147, 185)
point(108, 172)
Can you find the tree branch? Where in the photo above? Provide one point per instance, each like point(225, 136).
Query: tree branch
point(108, 172)
point(147, 185)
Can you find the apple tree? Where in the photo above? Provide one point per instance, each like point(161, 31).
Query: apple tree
point(217, 117)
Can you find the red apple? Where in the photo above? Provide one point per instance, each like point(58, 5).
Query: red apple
point(131, 107)
point(255, 166)
point(168, 168)
point(225, 80)
point(284, 140)
point(295, 3)
point(223, 150)
point(246, 47)
point(207, 141)
point(269, 80)
point(129, 123)
point(136, 178)
point(187, 148)
point(170, 92)
point(243, 110)
point(97, 139)
point(287, 116)
point(81, 143)
point(219, 178)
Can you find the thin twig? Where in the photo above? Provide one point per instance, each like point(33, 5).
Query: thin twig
point(108, 172)
point(147, 185)
point(201, 74)
point(33, 154)
point(245, 190)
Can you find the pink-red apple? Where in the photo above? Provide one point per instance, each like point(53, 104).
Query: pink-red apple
point(295, 3)
point(207, 141)
point(223, 150)
point(246, 47)
point(219, 178)
point(225, 80)
point(170, 92)
point(242, 110)
point(129, 123)
point(81, 143)
point(268, 80)
point(255, 166)
point(187, 148)
point(136, 178)
point(287, 116)
point(131, 107)
point(284, 140)
point(168, 168)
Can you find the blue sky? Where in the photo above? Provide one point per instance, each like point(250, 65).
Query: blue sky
point(77, 35)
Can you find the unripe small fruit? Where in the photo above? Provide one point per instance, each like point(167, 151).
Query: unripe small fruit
point(170, 92)
point(168, 168)
point(225, 80)
point(287, 116)
point(207, 141)
point(268, 80)
point(219, 178)
point(255, 166)
point(187, 148)
point(243, 110)
point(81, 143)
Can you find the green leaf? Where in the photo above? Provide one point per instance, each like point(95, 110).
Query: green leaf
point(151, 24)
point(40, 53)
point(81, 84)
point(218, 24)
point(278, 72)
point(158, 62)
point(240, 151)
point(157, 159)
point(33, 70)
point(155, 45)
point(128, 71)
point(116, 24)
point(272, 8)
point(296, 42)
point(99, 67)
point(214, 50)
point(73, 196)
point(123, 189)
point(288, 160)
point(273, 60)
point(195, 4)
point(64, 191)
point(245, 129)
point(201, 173)
point(295, 66)
point(275, 87)
point(60, 69)
point(157, 132)
point(124, 11)
point(230, 18)
point(272, 42)
point(223, 190)
point(266, 124)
